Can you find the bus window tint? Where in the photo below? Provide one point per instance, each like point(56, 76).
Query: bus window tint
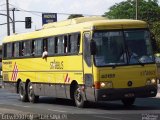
point(60, 45)
point(33, 47)
point(38, 47)
point(4, 50)
point(16, 49)
point(27, 48)
point(51, 46)
point(45, 43)
point(56, 45)
point(65, 44)
point(9, 50)
point(13, 49)
point(87, 55)
point(74, 42)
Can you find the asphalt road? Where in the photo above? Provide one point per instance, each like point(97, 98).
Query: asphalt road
point(61, 109)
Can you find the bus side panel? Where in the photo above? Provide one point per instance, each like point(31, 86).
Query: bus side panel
point(50, 86)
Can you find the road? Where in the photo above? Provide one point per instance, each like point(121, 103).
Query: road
point(50, 108)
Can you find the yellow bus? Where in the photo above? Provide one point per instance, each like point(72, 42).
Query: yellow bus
point(87, 59)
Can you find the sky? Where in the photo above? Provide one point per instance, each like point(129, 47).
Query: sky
point(85, 7)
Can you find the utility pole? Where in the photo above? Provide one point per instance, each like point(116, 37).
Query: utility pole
point(8, 24)
point(136, 9)
point(13, 20)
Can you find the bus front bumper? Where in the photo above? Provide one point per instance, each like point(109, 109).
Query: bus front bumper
point(118, 94)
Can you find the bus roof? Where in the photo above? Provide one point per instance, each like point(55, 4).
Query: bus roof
point(77, 25)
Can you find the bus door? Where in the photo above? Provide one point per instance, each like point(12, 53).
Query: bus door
point(87, 68)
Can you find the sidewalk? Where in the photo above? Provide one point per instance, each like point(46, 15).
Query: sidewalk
point(158, 95)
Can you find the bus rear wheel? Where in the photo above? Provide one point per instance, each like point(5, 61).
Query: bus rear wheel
point(128, 101)
point(31, 96)
point(22, 92)
point(78, 98)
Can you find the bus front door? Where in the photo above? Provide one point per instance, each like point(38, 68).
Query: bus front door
point(87, 68)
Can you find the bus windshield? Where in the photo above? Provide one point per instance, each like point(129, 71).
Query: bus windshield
point(123, 47)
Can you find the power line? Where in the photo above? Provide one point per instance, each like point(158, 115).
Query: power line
point(23, 10)
point(4, 23)
point(47, 12)
point(55, 12)
point(11, 22)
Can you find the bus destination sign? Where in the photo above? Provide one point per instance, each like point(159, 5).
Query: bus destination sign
point(49, 18)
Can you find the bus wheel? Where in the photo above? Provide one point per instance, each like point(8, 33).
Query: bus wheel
point(128, 101)
point(31, 96)
point(22, 92)
point(78, 98)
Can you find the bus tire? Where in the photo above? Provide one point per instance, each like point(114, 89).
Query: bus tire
point(22, 92)
point(128, 101)
point(78, 98)
point(31, 96)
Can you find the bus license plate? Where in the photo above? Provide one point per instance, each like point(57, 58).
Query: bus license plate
point(129, 95)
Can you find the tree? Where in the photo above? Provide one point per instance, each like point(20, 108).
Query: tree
point(121, 10)
point(75, 16)
point(148, 10)
point(156, 31)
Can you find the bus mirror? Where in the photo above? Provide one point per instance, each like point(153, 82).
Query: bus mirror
point(93, 47)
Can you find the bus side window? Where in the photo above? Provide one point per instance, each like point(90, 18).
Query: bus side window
point(65, 44)
point(22, 49)
point(9, 50)
point(56, 45)
point(4, 51)
point(74, 43)
point(27, 48)
point(13, 49)
point(16, 49)
point(33, 48)
point(45, 43)
point(60, 45)
point(86, 50)
point(38, 47)
point(78, 42)
point(51, 46)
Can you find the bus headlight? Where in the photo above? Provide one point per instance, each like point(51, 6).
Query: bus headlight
point(151, 81)
point(106, 84)
point(103, 84)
